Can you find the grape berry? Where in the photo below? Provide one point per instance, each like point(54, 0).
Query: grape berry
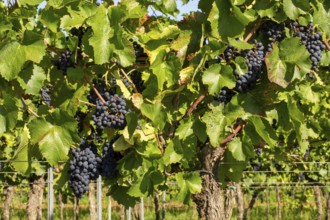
point(84, 167)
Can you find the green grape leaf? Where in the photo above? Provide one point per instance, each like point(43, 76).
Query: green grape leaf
point(50, 19)
point(217, 77)
point(121, 144)
point(24, 153)
point(29, 2)
point(155, 113)
point(72, 19)
point(216, 123)
point(294, 8)
point(289, 61)
point(264, 130)
point(102, 33)
point(236, 148)
point(173, 152)
point(12, 59)
point(54, 135)
point(8, 113)
point(122, 196)
point(147, 184)
point(227, 20)
point(32, 79)
point(188, 183)
point(134, 9)
point(166, 68)
point(321, 17)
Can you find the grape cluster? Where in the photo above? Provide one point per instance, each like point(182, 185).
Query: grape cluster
point(111, 113)
point(136, 78)
point(138, 50)
point(101, 87)
point(273, 32)
point(64, 61)
point(84, 166)
point(258, 151)
point(45, 95)
point(312, 39)
point(229, 54)
point(1, 165)
point(109, 160)
point(256, 166)
point(225, 95)
point(79, 32)
point(254, 60)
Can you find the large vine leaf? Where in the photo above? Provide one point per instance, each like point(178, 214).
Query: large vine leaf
point(217, 77)
point(189, 183)
point(8, 113)
point(227, 20)
point(55, 134)
point(289, 60)
point(216, 123)
point(14, 55)
point(294, 8)
point(102, 33)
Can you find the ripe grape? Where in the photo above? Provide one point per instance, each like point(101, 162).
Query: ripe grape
point(111, 113)
point(273, 32)
point(254, 60)
point(109, 160)
point(136, 78)
point(225, 95)
point(45, 95)
point(84, 166)
point(64, 61)
point(312, 39)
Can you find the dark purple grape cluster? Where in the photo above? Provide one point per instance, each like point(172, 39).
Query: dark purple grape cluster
point(109, 160)
point(228, 55)
point(1, 166)
point(79, 32)
point(258, 151)
point(256, 165)
point(225, 95)
point(125, 81)
point(136, 78)
point(64, 61)
point(307, 153)
point(84, 166)
point(301, 176)
point(254, 60)
point(138, 50)
point(111, 113)
point(312, 39)
point(45, 95)
point(101, 87)
point(273, 32)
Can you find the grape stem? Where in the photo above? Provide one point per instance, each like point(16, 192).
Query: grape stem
point(232, 135)
point(326, 44)
point(87, 103)
point(129, 80)
point(251, 33)
point(195, 103)
point(95, 90)
point(29, 109)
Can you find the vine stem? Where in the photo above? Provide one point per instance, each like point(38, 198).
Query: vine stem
point(195, 103)
point(232, 135)
point(95, 90)
point(326, 44)
point(87, 103)
point(251, 33)
point(129, 80)
point(29, 109)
